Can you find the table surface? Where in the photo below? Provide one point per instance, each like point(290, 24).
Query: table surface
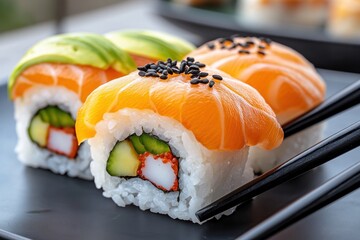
point(38, 204)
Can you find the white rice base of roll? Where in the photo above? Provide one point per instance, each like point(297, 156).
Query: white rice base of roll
point(32, 155)
point(204, 175)
point(262, 160)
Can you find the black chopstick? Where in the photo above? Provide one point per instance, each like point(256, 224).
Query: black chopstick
point(331, 147)
point(337, 187)
point(347, 98)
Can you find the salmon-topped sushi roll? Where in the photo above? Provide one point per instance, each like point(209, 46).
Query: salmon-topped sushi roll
point(286, 80)
point(146, 46)
point(174, 136)
point(48, 86)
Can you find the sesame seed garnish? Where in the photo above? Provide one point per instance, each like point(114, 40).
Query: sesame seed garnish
point(261, 47)
point(201, 65)
point(187, 67)
point(141, 68)
point(211, 84)
point(243, 52)
point(261, 53)
point(190, 59)
point(218, 77)
point(211, 45)
point(169, 70)
point(205, 81)
point(195, 81)
point(203, 74)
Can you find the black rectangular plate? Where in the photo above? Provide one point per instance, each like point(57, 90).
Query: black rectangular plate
point(38, 204)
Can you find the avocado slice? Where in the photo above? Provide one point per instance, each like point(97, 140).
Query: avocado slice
point(151, 44)
point(38, 130)
point(154, 145)
point(139, 147)
point(86, 49)
point(56, 117)
point(123, 160)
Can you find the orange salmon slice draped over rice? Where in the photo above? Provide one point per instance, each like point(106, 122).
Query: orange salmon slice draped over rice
point(227, 116)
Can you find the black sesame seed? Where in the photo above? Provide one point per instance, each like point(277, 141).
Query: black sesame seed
point(175, 70)
point(190, 59)
point(195, 81)
point(205, 81)
point(234, 45)
point(261, 53)
point(261, 47)
point(153, 66)
point(169, 60)
point(163, 77)
point(189, 63)
point(203, 74)
point(142, 73)
point(151, 70)
point(182, 66)
point(147, 66)
point(194, 66)
point(250, 42)
point(162, 65)
point(149, 74)
point(210, 45)
point(244, 51)
point(218, 77)
point(194, 76)
point(201, 65)
point(174, 63)
point(155, 75)
point(165, 72)
point(211, 84)
point(142, 68)
point(194, 71)
point(169, 70)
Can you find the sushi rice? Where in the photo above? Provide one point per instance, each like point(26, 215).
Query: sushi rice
point(203, 176)
point(261, 160)
point(31, 154)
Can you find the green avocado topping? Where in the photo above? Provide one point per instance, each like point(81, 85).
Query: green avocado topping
point(155, 45)
point(76, 48)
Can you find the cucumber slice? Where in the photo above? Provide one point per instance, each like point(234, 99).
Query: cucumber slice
point(38, 131)
point(56, 117)
point(139, 147)
point(154, 145)
point(123, 160)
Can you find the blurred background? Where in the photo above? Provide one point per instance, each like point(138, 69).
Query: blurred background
point(327, 32)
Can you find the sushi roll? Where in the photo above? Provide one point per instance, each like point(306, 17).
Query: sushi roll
point(286, 80)
point(306, 13)
point(176, 143)
point(48, 86)
point(344, 19)
point(146, 46)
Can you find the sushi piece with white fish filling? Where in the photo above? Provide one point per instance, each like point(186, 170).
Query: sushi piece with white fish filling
point(175, 140)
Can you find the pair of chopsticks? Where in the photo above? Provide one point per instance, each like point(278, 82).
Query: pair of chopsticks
point(334, 146)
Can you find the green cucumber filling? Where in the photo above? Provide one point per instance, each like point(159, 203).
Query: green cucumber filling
point(147, 157)
point(54, 129)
